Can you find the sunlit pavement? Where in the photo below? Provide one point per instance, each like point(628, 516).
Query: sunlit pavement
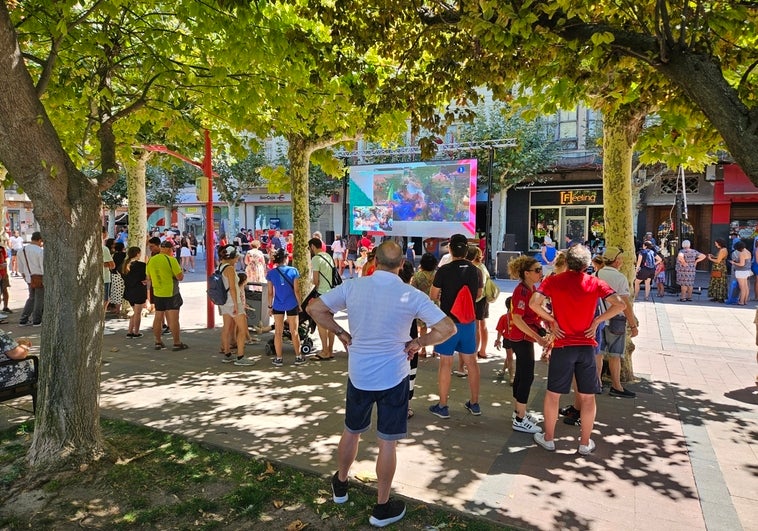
point(682, 455)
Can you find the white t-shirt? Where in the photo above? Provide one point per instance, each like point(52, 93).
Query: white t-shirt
point(17, 243)
point(380, 308)
point(338, 247)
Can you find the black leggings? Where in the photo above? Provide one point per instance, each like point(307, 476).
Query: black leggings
point(522, 383)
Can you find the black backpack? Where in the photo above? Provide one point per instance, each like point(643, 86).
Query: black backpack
point(336, 279)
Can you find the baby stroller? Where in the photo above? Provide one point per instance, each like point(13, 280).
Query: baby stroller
point(305, 327)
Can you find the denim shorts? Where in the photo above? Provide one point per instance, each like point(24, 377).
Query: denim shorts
point(391, 410)
point(612, 344)
point(463, 341)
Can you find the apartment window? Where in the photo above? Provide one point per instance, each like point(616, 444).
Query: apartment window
point(671, 184)
point(567, 124)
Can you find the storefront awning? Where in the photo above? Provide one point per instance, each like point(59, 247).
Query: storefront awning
point(737, 183)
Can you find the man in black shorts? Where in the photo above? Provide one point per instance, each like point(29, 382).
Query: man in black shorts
point(573, 295)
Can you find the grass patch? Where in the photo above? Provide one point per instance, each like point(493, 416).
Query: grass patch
point(157, 480)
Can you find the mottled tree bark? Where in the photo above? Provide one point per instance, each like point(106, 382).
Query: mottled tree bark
point(299, 153)
point(67, 206)
point(136, 170)
point(620, 132)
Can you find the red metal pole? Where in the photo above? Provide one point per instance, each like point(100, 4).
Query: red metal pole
point(210, 250)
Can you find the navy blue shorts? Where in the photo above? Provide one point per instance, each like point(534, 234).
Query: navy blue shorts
point(567, 362)
point(463, 341)
point(391, 410)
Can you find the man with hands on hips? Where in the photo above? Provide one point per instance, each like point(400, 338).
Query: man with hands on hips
point(380, 310)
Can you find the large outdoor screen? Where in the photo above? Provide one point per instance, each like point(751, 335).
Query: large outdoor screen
point(414, 199)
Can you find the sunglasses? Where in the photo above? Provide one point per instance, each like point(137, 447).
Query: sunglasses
point(535, 270)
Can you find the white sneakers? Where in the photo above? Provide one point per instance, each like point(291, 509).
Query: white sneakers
point(587, 449)
point(526, 425)
point(584, 449)
point(539, 438)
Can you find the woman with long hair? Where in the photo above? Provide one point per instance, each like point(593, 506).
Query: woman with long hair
point(135, 288)
point(717, 290)
point(526, 330)
point(284, 295)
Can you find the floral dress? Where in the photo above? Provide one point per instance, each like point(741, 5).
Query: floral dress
point(717, 287)
point(17, 373)
point(685, 275)
point(255, 266)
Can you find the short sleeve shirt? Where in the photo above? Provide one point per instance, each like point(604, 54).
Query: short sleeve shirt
point(520, 306)
point(615, 279)
point(162, 269)
point(283, 280)
point(380, 310)
point(574, 299)
point(323, 263)
point(451, 277)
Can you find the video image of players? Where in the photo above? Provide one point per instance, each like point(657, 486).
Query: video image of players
point(425, 193)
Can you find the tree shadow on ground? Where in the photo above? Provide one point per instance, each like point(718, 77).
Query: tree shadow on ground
point(295, 415)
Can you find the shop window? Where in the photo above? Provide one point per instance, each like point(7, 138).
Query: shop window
point(543, 222)
point(671, 184)
point(597, 230)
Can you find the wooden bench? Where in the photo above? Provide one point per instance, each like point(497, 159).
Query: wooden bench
point(23, 387)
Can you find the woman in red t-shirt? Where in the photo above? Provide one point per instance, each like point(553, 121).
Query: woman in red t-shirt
point(526, 329)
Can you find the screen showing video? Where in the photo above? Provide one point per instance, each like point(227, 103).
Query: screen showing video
point(428, 199)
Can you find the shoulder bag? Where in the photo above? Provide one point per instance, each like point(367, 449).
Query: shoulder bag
point(35, 280)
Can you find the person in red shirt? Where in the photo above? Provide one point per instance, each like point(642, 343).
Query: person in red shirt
point(504, 340)
point(526, 329)
point(366, 241)
point(573, 322)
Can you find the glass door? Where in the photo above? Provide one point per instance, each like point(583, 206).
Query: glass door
point(574, 226)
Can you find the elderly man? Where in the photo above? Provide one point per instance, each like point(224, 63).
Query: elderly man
point(573, 295)
point(613, 339)
point(378, 368)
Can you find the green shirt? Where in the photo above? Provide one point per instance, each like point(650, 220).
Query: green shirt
point(324, 264)
point(162, 269)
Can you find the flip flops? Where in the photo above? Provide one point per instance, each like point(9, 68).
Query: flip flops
point(160, 346)
point(180, 346)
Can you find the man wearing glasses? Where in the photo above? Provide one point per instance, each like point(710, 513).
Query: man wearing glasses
point(574, 296)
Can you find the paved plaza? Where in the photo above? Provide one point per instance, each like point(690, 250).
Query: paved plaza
point(683, 455)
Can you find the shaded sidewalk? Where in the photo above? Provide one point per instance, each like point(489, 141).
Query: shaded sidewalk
point(682, 455)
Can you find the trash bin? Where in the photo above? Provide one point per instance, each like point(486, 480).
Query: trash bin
point(256, 297)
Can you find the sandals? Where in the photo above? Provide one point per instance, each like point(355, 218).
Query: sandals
point(160, 346)
point(180, 346)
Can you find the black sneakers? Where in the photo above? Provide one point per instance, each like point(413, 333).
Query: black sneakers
point(571, 415)
point(339, 489)
point(387, 513)
point(624, 393)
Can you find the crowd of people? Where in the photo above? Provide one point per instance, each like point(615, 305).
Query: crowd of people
point(576, 308)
